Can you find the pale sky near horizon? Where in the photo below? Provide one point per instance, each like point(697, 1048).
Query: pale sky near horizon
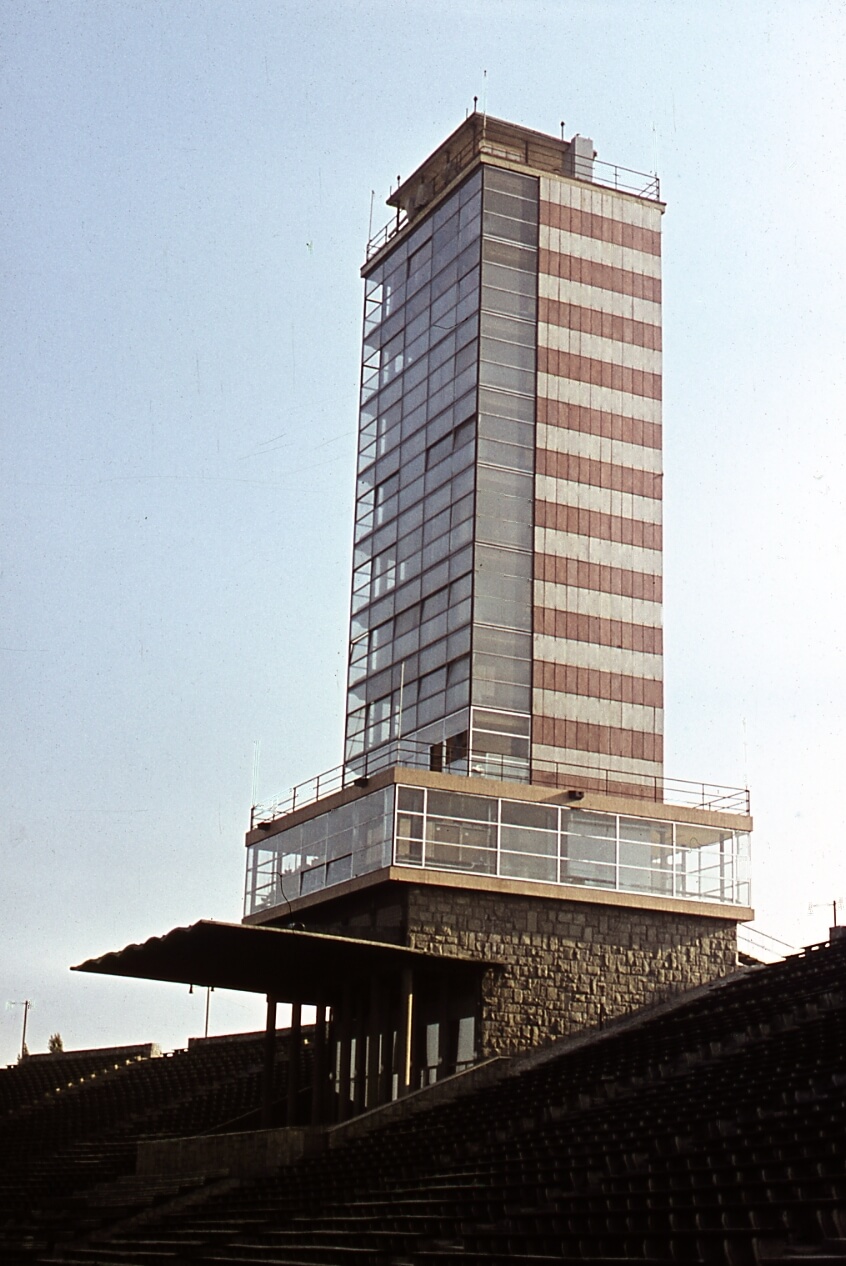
point(186, 204)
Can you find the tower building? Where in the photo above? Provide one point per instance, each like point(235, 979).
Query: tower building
point(506, 597)
point(502, 793)
point(499, 858)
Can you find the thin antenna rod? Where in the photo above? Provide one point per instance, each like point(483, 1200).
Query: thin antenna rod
point(484, 101)
point(254, 791)
point(370, 224)
point(256, 758)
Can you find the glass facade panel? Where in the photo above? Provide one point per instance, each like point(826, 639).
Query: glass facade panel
point(414, 506)
point(448, 357)
point(430, 828)
point(353, 839)
point(505, 466)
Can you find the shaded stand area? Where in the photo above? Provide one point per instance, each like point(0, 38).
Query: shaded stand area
point(388, 1019)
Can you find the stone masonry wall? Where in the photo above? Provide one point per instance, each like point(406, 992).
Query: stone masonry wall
point(568, 964)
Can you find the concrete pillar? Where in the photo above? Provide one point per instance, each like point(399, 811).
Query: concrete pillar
point(374, 1027)
point(360, 1053)
point(344, 1028)
point(318, 1071)
point(269, 1064)
point(295, 1047)
point(405, 1032)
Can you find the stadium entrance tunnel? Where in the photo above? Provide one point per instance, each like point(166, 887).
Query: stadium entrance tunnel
point(388, 1020)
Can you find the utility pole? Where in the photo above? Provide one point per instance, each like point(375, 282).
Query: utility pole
point(819, 905)
point(26, 1005)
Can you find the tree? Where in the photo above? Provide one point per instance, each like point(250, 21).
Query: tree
point(55, 1045)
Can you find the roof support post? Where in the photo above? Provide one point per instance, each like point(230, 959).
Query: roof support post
point(386, 1079)
point(318, 1069)
point(360, 1086)
point(446, 1055)
point(295, 1043)
point(406, 1030)
point(374, 1026)
point(269, 1064)
point(345, 1052)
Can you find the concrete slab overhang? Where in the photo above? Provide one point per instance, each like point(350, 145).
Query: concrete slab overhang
point(286, 963)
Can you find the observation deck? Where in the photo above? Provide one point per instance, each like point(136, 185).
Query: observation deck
point(580, 834)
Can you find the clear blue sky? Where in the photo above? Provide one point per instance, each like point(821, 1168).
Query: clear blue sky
point(184, 213)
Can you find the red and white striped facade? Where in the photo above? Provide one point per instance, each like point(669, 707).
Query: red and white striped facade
point(597, 671)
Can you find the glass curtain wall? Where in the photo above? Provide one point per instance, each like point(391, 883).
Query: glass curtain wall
point(483, 835)
point(502, 604)
point(445, 505)
point(409, 674)
point(433, 829)
point(352, 840)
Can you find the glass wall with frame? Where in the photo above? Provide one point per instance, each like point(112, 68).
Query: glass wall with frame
point(409, 664)
point(443, 830)
point(502, 602)
point(322, 851)
point(426, 828)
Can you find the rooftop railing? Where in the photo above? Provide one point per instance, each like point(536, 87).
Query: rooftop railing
point(641, 184)
point(557, 775)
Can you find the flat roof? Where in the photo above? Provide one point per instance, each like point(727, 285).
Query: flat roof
point(615, 800)
point(287, 963)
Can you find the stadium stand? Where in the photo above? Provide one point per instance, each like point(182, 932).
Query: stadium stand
point(711, 1129)
point(77, 1121)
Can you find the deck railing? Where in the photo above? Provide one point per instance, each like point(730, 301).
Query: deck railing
point(554, 774)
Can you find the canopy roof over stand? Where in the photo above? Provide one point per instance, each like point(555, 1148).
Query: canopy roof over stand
point(291, 965)
point(385, 1003)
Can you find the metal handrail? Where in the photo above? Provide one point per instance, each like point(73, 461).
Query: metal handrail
point(642, 184)
point(553, 774)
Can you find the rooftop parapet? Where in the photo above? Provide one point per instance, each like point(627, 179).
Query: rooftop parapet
point(481, 138)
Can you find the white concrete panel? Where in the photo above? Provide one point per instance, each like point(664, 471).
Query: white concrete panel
point(611, 659)
point(601, 201)
point(559, 439)
point(605, 500)
point(577, 292)
point(611, 350)
point(576, 757)
point(608, 606)
point(570, 391)
point(598, 251)
point(593, 549)
point(621, 716)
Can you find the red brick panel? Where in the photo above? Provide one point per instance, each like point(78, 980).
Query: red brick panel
point(599, 474)
point(588, 272)
point(595, 683)
point(608, 527)
point(602, 227)
point(610, 426)
point(577, 627)
point(571, 316)
point(599, 373)
point(605, 740)
point(581, 574)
